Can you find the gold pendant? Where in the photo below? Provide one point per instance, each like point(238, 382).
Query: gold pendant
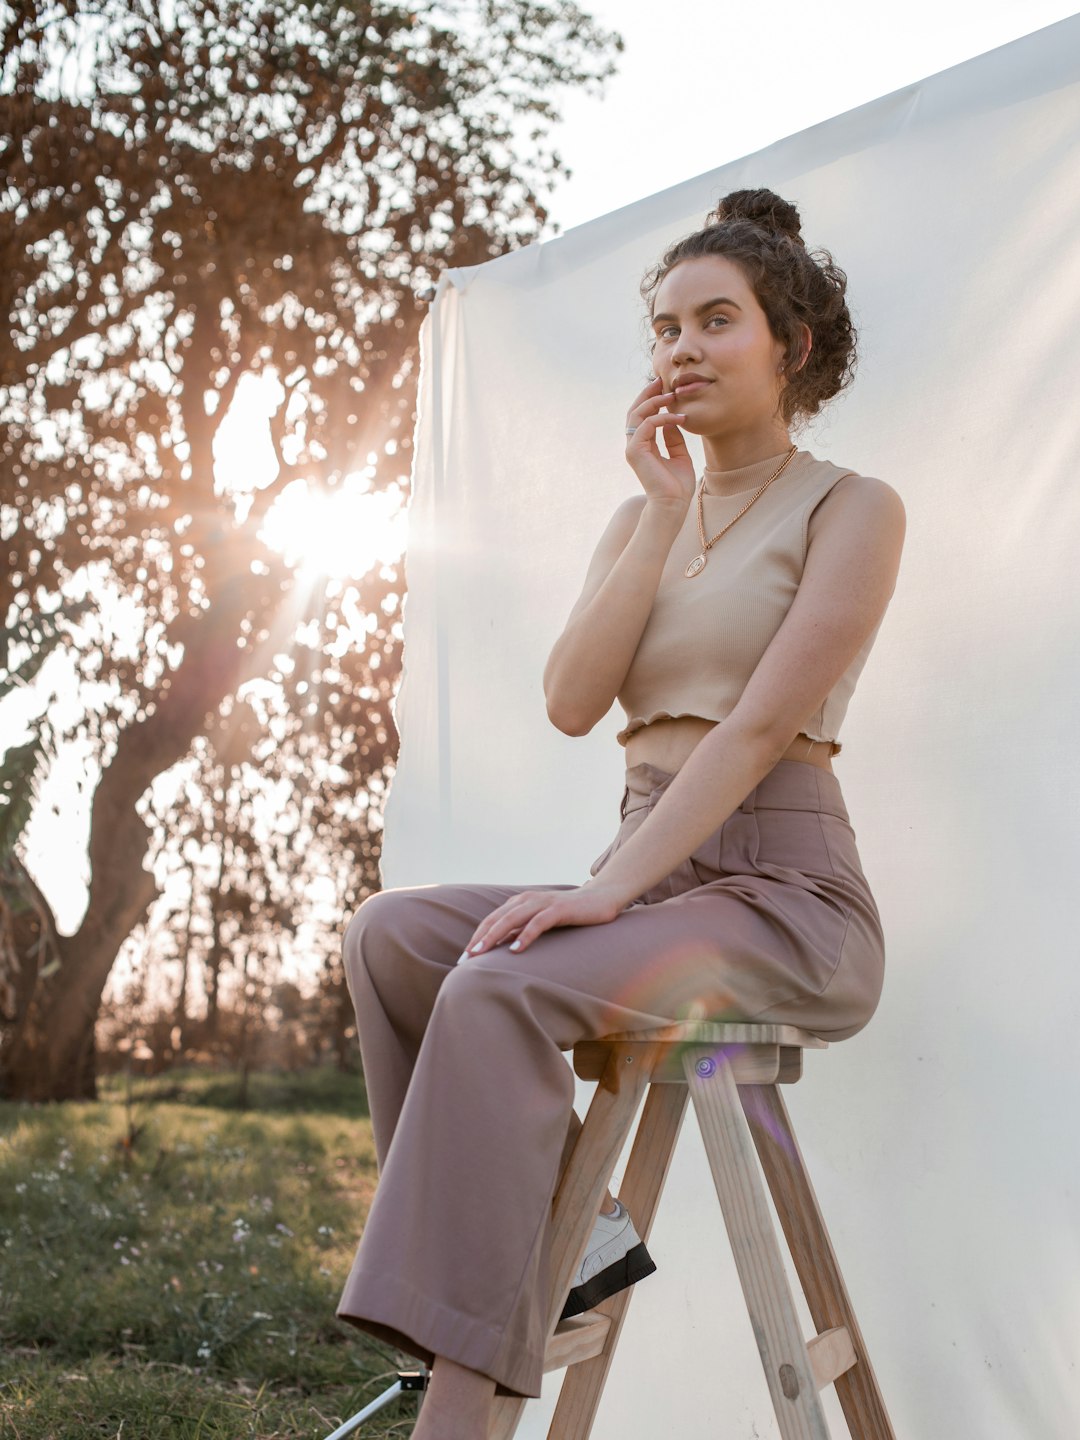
point(696, 566)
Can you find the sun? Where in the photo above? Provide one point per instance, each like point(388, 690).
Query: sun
point(338, 536)
point(342, 535)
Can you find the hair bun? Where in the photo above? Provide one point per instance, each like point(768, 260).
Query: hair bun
point(763, 208)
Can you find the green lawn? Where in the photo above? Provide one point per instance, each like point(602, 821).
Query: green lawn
point(184, 1286)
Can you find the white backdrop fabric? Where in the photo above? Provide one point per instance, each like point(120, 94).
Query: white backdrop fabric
point(942, 1140)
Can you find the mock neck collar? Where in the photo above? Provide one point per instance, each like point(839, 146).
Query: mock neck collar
point(729, 484)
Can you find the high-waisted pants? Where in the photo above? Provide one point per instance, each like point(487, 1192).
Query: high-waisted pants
point(471, 1097)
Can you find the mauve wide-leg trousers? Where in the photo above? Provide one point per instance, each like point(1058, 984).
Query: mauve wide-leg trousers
point(471, 1095)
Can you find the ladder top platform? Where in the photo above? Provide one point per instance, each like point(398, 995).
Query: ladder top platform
point(728, 1032)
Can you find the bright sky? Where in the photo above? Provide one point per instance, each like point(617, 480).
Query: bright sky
point(698, 86)
point(701, 83)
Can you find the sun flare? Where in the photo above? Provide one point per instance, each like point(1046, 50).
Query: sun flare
point(342, 535)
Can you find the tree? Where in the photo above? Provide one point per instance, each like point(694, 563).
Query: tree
point(197, 191)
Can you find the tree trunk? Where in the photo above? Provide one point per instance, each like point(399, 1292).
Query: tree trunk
point(180, 1017)
point(53, 1056)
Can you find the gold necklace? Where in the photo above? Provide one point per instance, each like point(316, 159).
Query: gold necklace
point(698, 563)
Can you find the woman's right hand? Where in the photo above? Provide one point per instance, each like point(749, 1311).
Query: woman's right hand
point(668, 479)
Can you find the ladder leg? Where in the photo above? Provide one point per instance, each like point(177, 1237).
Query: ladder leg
point(812, 1252)
point(643, 1183)
point(577, 1201)
point(754, 1245)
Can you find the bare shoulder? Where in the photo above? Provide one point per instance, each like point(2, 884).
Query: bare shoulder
point(872, 491)
point(619, 529)
point(860, 500)
point(628, 513)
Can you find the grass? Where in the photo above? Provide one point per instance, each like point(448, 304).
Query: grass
point(170, 1266)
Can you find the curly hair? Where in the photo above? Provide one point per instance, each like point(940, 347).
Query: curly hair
point(762, 234)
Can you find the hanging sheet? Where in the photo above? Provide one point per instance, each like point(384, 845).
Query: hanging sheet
point(942, 1139)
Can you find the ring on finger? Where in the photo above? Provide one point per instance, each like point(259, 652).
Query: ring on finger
point(631, 429)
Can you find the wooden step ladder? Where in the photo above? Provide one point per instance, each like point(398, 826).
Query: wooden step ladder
point(733, 1072)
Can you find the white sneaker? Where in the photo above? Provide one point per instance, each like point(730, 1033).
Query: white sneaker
point(615, 1257)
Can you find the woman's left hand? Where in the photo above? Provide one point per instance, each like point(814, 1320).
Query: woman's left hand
point(533, 911)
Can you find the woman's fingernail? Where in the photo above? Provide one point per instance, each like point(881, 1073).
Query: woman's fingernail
point(478, 946)
point(516, 945)
point(463, 956)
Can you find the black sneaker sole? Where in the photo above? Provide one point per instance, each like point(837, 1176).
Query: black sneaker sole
point(632, 1267)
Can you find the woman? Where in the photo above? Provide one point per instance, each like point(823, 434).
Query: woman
point(733, 888)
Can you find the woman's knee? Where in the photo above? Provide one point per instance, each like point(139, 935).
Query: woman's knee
point(377, 924)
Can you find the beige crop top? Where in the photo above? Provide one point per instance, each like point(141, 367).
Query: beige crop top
point(704, 637)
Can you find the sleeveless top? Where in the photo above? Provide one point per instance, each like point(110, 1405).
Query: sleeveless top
point(704, 637)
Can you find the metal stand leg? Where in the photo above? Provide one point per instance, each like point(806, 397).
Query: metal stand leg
point(408, 1380)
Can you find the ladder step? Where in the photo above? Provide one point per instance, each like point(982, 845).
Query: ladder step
point(580, 1337)
point(831, 1353)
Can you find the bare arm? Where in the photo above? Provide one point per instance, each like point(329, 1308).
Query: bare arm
point(590, 659)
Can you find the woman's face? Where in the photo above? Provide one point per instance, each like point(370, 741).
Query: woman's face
point(714, 348)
